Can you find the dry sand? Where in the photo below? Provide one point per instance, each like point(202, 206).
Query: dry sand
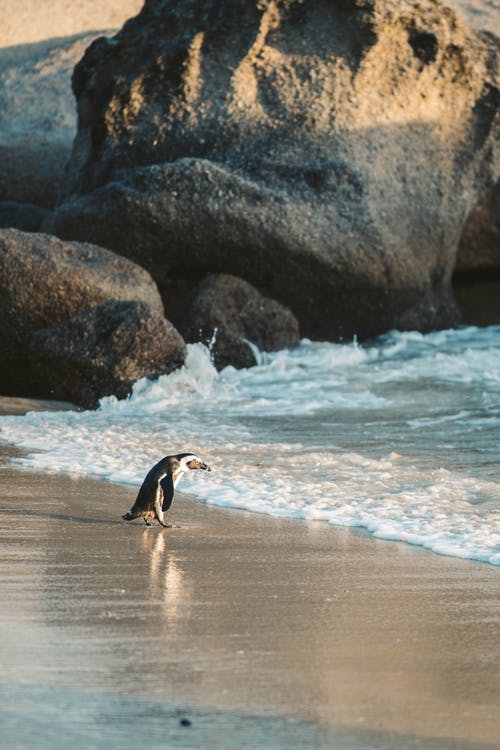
point(28, 21)
point(233, 630)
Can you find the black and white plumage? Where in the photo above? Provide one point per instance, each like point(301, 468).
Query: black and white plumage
point(157, 491)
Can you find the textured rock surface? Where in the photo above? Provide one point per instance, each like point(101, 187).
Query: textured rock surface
point(226, 312)
point(104, 351)
point(329, 153)
point(43, 281)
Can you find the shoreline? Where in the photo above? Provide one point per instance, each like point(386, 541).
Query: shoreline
point(253, 625)
point(233, 629)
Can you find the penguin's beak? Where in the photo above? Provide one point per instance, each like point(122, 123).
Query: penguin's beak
point(206, 467)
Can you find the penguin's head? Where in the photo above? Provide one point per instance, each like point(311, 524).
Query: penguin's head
point(193, 462)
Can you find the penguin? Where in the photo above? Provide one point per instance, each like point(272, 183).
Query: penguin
point(157, 490)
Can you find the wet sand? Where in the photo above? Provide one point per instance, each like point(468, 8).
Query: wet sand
point(232, 630)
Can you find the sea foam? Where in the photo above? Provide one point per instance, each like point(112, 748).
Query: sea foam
point(397, 436)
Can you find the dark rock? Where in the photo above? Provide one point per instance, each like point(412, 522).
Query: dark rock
point(33, 170)
point(45, 281)
point(328, 153)
point(25, 216)
point(227, 312)
point(478, 297)
point(479, 247)
point(104, 351)
point(476, 280)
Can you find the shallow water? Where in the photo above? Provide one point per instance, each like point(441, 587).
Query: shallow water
point(398, 436)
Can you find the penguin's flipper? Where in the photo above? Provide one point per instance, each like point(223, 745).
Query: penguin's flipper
point(167, 486)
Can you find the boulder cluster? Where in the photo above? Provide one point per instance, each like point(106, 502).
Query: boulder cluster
point(79, 322)
point(247, 169)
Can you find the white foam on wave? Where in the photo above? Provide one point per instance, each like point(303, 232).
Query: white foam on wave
point(389, 497)
point(334, 402)
point(466, 355)
point(198, 378)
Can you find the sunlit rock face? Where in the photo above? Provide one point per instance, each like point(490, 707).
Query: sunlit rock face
point(327, 152)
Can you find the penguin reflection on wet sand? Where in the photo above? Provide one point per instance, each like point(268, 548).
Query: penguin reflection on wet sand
point(157, 491)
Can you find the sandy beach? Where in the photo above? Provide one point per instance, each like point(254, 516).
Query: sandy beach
point(34, 22)
point(232, 629)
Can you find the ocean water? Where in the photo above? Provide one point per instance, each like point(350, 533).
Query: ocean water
point(399, 436)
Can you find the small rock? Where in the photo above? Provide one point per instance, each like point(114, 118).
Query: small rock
point(227, 312)
point(104, 351)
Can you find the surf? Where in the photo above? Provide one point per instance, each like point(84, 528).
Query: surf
point(397, 436)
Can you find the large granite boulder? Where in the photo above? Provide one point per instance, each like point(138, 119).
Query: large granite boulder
point(45, 281)
point(227, 313)
point(104, 351)
point(327, 152)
